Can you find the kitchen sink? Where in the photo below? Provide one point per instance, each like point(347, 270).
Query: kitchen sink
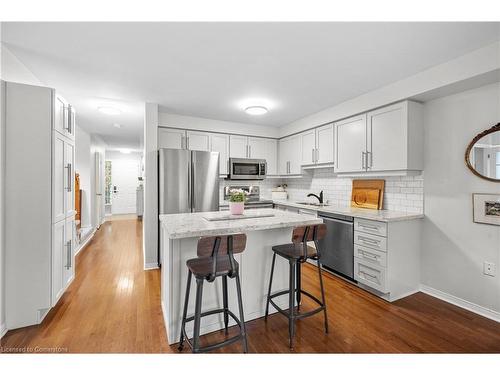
point(313, 204)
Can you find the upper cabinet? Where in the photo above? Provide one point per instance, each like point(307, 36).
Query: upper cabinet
point(171, 138)
point(256, 148)
point(290, 152)
point(220, 143)
point(64, 117)
point(317, 146)
point(198, 141)
point(389, 139)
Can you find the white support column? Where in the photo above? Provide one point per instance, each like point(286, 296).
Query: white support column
point(150, 218)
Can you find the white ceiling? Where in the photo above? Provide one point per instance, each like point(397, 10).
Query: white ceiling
point(210, 69)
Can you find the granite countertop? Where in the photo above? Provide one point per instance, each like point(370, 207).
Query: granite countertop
point(362, 213)
point(195, 225)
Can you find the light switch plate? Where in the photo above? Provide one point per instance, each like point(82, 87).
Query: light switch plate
point(489, 269)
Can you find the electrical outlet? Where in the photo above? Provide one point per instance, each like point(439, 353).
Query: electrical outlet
point(489, 269)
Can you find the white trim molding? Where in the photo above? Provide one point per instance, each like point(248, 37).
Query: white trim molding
point(150, 266)
point(85, 242)
point(457, 301)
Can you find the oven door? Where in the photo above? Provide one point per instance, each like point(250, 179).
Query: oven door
point(246, 169)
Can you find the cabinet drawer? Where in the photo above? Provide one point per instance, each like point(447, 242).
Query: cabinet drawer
point(370, 255)
point(370, 240)
point(370, 274)
point(369, 226)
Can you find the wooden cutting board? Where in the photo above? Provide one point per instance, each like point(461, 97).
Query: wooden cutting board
point(367, 194)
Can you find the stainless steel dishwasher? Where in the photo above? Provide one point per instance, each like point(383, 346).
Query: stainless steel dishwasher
point(337, 248)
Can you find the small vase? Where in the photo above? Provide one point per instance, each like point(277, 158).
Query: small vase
point(236, 208)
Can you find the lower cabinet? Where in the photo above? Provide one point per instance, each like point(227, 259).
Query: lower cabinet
point(387, 257)
point(63, 257)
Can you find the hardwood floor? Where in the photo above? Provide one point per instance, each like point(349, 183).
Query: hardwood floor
point(114, 306)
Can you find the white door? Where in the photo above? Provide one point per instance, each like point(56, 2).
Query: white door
point(238, 146)
point(351, 144)
point(171, 138)
point(69, 171)
point(324, 144)
point(59, 177)
point(60, 114)
point(308, 143)
point(69, 254)
point(124, 173)
point(272, 156)
point(58, 259)
point(220, 143)
point(198, 141)
point(294, 151)
point(387, 138)
point(283, 156)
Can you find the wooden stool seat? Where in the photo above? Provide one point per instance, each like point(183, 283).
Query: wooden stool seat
point(203, 267)
point(294, 251)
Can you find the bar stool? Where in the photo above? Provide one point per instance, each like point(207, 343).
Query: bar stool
point(297, 253)
point(215, 259)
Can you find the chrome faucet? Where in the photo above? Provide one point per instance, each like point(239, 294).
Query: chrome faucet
point(320, 197)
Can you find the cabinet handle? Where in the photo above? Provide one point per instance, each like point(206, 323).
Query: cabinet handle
point(312, 157)
point(369, 240)
point(187, 143)
point(68, 254)
point(68, 167)
point(363, 160)
point(371, 158)
point(368, 226)
point(317, 155)
point(368, 255)
point(367, 274)
point(249, 151)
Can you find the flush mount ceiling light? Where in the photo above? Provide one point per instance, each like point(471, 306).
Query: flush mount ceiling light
point(109, 110)
point(125, 151)
point(256, 110)
point(118, 126)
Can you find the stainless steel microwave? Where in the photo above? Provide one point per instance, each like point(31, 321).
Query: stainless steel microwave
point(247, 169)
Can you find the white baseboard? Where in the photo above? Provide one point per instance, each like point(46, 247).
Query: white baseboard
point(3, 330)
point(477, 309)
point(85, 242)
point(150, 266)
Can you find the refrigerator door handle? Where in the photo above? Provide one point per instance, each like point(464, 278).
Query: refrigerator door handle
point(190, 183)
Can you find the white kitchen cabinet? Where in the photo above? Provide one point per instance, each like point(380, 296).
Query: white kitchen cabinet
point(171, 138)
point(387, 140)
point(317, 145)
point(58, 258)
point(69, 171)
point(264, 148)
point(38, 202)
point(220, 143)
point(290, 152)
point(387, 257)
point(198, 141)
point(69, 252)
point(350, 145)
point(238, 146)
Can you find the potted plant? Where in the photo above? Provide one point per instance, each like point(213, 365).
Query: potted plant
point(236, 201)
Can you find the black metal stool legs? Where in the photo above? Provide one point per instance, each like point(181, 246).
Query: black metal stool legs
point(322, 295)
point(270, 286)
point(291, 315)
point(197, 314)
point(184, 313)
point(298, 282)
point(225, 304)
point(242, 318)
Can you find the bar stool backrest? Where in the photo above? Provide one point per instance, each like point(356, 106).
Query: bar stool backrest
point(302, 235)
point(219, 245)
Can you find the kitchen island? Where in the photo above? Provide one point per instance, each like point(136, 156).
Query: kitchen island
point(178, 238)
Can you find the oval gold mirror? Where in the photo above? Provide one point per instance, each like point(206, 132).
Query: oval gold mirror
point(483, 154)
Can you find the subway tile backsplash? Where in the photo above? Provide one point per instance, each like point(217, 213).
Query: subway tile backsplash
point(402, 193)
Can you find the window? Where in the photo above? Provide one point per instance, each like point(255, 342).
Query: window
point(107, 179)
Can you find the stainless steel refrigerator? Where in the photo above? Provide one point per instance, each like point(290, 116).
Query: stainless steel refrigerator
point(188, 181)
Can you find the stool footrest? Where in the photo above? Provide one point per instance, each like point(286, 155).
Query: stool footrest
point(219, 344)
point(299, 315)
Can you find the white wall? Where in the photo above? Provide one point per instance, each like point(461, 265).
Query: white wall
point(454, 248)
point(11, 69)
point(83, 160)
point(475, 64)
point(198, 123)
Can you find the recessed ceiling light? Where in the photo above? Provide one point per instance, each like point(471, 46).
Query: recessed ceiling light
point(109, 110)
point(125, 151)
point(118, 126)
point(256, 110)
